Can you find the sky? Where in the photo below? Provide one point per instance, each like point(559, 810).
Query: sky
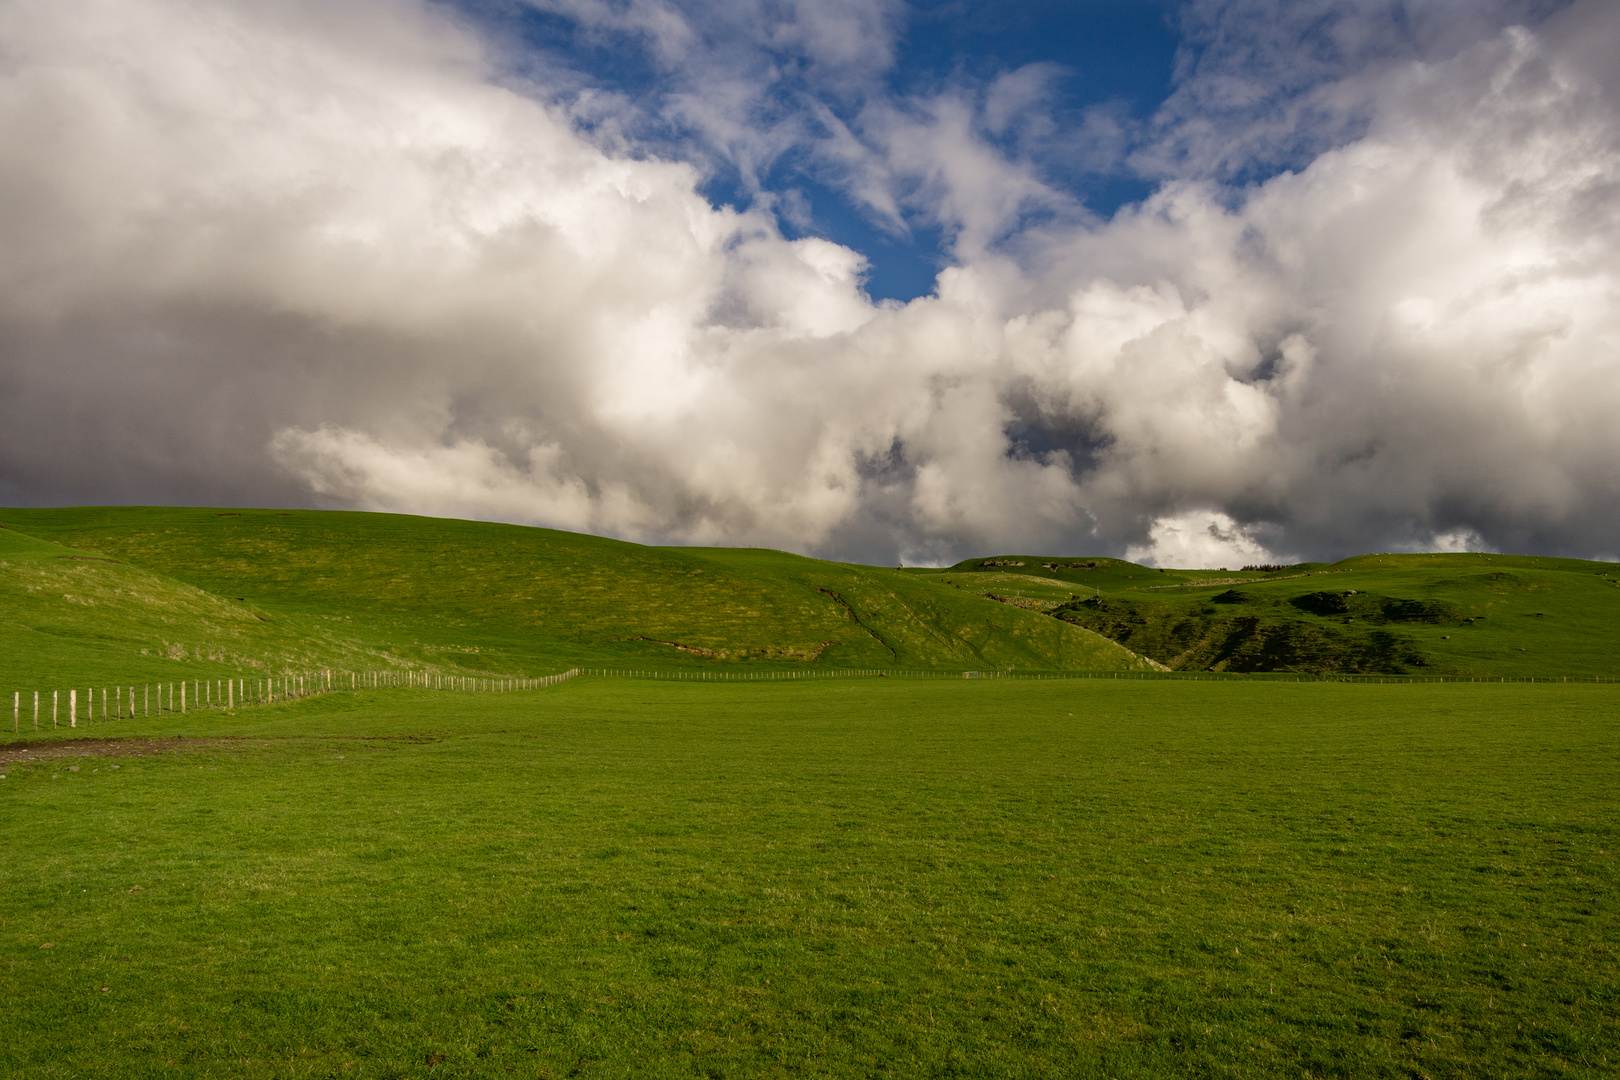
point(1201, 283)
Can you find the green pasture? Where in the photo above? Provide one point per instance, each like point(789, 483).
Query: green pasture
point(132, 593)
point(843, 877)
point(1427, 614)
point(68, 616)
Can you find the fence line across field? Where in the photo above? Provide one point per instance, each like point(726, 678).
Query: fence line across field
point(138, 700)
point(132, 700)
point(1042, 676)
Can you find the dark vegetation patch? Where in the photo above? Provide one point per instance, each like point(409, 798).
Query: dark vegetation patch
point(1270, 636)
point(1434, 614)
point(1378, 609)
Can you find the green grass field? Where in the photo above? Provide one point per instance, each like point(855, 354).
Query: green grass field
point(134, 594)
point(913, 875)
point(862, 877)
point(151, 593)
point(1461, 615)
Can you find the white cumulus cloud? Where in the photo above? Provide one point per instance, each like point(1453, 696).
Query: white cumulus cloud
point(334, 253)
point(1200, 540)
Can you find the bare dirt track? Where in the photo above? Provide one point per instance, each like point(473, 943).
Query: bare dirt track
point(12, 753)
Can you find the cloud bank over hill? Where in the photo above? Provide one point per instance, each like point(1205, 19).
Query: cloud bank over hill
point(354, 254)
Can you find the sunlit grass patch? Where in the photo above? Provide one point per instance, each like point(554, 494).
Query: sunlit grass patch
point(851, 877)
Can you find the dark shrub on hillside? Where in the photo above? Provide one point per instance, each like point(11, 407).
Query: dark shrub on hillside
point(1377, 609)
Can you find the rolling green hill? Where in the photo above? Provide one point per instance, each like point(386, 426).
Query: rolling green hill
point(133, 592)
point(69, 614)
point(155, 593)
point(1445, 614)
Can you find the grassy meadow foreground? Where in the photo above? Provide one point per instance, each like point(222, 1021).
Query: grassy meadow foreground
point(862, 877)
point(909, 875)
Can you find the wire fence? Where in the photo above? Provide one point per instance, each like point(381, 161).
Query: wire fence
point(1031, 676)
point(48, 710)
point(1291, 676)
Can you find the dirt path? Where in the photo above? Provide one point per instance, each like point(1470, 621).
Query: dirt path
point(15, 753)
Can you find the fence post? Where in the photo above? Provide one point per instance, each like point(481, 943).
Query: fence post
point(36, 710)
point(16, 710)
point(56, 697)
point(73, 708)
point(182, 697)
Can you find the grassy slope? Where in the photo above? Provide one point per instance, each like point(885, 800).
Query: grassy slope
point(71, 616)
point(1473, 614)
point(868, 877)
point(490, 597)
point(1088, 573)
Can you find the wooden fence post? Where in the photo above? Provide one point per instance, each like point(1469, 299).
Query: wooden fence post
point(36, 710)
point(73, 708)
point(182, 696)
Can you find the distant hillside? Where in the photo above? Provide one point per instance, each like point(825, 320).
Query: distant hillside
point(1436, 614)
point(144, 592)
point(116, 592)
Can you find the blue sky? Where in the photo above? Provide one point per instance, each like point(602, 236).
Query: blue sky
point(1104, 54)
point(1110, 56)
